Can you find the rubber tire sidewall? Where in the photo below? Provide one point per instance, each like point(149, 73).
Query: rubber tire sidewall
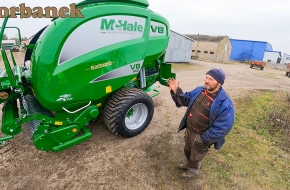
point(126, 132)
point(117, 107)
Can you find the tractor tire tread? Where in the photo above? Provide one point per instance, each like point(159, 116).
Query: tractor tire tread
point(116, 104)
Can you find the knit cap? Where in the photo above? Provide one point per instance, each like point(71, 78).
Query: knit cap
point(218, 74)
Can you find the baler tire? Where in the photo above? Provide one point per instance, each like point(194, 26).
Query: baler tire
point(119, 107)
point(262, 68)
point(287, 73)
point(251, 66)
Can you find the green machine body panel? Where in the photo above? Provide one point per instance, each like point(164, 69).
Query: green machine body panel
point(74, 65)
point(86, 56)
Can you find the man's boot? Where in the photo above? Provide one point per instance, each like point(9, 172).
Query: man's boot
point(191, 172)
point(183, 166)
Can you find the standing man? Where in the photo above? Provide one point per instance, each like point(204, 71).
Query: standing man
point(208, 119)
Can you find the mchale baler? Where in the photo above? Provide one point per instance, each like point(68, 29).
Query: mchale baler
point(76, 68)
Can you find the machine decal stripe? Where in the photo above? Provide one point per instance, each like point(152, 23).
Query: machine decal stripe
point(127, 70)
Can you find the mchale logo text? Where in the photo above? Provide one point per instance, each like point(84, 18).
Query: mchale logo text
point(39, 12)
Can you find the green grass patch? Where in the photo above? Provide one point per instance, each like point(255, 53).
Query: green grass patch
point(252, 158)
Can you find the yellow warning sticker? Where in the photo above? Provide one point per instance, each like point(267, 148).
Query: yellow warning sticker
point(58, 123)
point(108, 89)
point(99, 105)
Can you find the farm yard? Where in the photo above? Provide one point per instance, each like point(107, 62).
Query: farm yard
point(248, 160)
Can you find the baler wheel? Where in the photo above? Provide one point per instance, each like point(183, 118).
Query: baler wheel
point(128, 112)
point(287, 73)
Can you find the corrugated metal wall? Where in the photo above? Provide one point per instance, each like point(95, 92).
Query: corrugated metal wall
point(179, 48)
point(269, 47)
point(272, 57)
point(286, 59)
point(243, 50)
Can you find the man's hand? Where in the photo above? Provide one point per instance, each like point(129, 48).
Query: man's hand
point(173, 84)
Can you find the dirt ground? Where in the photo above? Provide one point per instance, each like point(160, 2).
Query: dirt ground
point(146, 161)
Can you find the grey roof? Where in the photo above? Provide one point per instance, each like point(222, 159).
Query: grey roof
point(205, 38)
point(183, 35)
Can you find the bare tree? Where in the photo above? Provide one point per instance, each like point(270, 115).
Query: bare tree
point(5, 37)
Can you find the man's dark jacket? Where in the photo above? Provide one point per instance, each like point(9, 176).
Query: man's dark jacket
point(221, 117)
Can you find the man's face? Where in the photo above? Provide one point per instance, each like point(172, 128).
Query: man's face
point(211, 84)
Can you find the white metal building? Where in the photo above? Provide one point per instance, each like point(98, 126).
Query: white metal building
point(286, 59)
point(179, 48)
point(9, 43)
point(272, 56)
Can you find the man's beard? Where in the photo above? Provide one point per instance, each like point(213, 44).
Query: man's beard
point(211, 88)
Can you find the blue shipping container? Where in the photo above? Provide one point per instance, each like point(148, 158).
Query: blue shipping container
point(243, 50)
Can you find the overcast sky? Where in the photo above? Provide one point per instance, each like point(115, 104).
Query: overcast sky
point(260, 20)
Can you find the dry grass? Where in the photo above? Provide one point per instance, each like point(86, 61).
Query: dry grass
point(279, 118)
point(252, 157)
point(255, 158)
point(268, 75)
point(185, 66)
